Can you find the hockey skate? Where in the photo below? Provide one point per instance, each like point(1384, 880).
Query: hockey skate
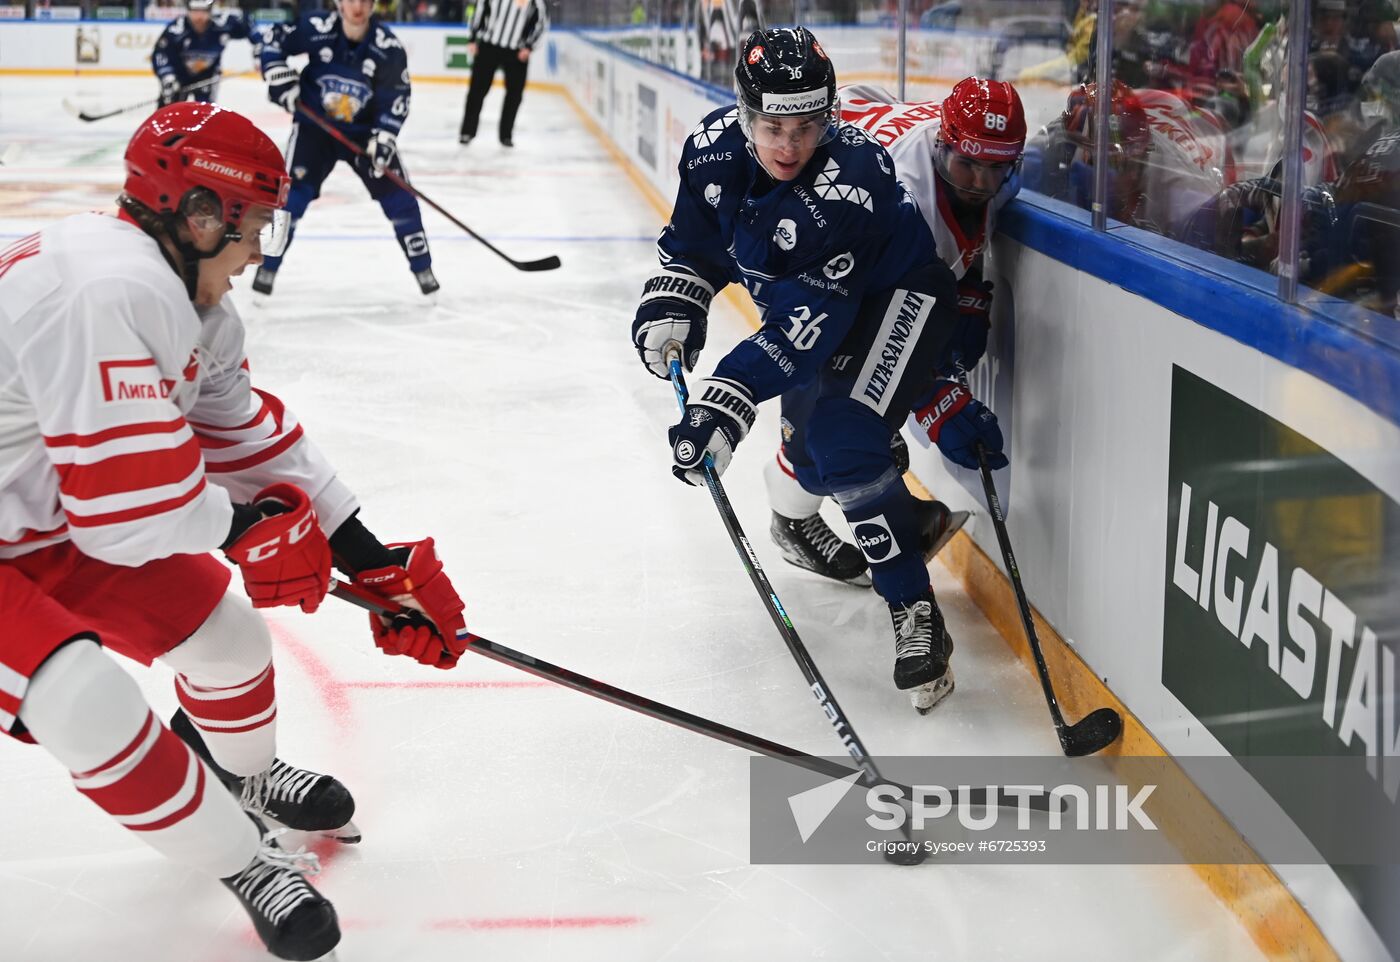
point(290, 796)
point(427, 281)
point(263, 281)
point(937, 525)
point(922, 648)
point(294, 920)
point(810, 543)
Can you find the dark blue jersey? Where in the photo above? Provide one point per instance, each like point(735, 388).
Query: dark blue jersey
point(191, 56)
point(357, 86)
point(808, 250)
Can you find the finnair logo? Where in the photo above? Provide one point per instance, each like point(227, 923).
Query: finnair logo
point(801, 103)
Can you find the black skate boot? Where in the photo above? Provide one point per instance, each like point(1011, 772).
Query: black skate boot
point(922, 648)
point(289, 796)
point(809, 543)
point(294, 920)
point(900, 449)
point(263, 281)
point(427, 281)
point(937, 525)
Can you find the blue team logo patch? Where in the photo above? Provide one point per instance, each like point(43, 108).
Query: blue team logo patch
point(343, 97)
point(875, 539)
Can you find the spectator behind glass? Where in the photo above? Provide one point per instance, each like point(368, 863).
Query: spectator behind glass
point(1218, 42)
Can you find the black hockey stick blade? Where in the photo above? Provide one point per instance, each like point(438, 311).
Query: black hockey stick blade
point(1092, 733)
point(549, 263)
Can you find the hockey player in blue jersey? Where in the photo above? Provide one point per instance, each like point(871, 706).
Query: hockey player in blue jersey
point(356, 77)
point(857, 310)
point(189, 49)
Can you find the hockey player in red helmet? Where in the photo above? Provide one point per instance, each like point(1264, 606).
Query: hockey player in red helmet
point(980, 138)
point(137, 446)
point(958, 158)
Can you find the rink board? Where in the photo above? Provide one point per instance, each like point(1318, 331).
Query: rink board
point(1093, 506)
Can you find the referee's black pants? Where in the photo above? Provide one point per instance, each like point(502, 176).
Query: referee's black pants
point(489, 59)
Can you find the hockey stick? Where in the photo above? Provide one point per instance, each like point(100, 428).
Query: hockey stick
point(543, 264)
point(1096, 730)
point(654, 709)
point(820, 690)
point(83, 115)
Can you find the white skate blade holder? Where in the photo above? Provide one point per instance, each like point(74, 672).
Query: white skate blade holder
point(926, 696)
point(347, 834)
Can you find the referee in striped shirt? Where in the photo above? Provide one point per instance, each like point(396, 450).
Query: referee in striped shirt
point(503, 32)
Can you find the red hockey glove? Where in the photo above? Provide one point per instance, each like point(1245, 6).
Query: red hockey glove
point(427, 633)
point(285, 558)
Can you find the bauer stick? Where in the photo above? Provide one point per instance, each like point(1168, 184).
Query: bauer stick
point(1096, 730)
point(820, 690)
point(543, 264)
point(83, 115)
point(654, 709)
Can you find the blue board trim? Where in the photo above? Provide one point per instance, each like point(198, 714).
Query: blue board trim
point(1354, 350)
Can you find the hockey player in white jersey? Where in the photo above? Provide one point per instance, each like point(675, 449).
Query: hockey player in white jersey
point(958, 158)
point(132, 445)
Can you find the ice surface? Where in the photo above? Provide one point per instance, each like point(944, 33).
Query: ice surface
point(506, 818)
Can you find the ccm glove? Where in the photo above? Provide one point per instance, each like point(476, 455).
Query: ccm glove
point(380, 150)
point(285, 558)
point(674, 310)
point(282, 85)
point(716, 418)
point(974, 321)
point(427, 630)
point(957, 422)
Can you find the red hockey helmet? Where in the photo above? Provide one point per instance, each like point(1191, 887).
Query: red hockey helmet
point(1130, 135)
point(981, 136)
point(188, 146)
point(984, 120)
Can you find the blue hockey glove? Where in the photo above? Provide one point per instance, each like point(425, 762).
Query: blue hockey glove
point(675, 309)
point(380, 150)
point(282, 84)
point(716, 418)
point(969, 341)
point(956, 422)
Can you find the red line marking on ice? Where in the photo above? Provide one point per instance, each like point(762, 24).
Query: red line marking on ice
point(331, 689)
point(541, 922)
point(445, 684)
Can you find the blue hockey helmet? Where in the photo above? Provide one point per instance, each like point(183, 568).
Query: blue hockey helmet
point(784, 72)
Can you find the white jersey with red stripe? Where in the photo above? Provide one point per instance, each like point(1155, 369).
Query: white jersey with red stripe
point(120, 403)
point(909, 132)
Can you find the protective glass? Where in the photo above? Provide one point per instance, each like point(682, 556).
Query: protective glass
point(970, 175)
point(274, 235)
point(799, 132)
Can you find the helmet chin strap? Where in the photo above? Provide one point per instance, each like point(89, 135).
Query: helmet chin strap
point(187, 267)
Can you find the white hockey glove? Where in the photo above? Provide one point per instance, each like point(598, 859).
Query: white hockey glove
point(717, 416)
point(282, 86)
point(675, 309)
point(380, 151)
point(169, 88)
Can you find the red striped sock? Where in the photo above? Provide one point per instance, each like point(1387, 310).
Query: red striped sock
point(238, 722)
point(156, 786)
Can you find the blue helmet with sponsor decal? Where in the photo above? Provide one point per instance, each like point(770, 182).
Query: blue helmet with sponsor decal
point(783, 73)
